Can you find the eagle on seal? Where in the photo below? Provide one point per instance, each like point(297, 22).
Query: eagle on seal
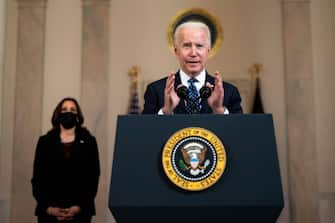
point(194, 156)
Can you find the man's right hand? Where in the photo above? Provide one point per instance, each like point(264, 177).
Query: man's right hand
point(171, 98)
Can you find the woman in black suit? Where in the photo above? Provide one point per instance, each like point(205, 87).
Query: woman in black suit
point(66, 168)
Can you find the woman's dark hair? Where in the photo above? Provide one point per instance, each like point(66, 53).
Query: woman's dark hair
point(58, 110)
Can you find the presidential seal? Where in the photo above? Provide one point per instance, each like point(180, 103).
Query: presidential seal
point(194, 158)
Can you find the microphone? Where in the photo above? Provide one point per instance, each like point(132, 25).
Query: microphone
point(182, 92)
point(205, 92)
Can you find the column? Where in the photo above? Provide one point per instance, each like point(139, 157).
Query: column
point(4, 210)
point(2, 53)
point(28, 104)
point(302, 160)
point(94, 89)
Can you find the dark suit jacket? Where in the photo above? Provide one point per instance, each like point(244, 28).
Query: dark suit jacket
point(62, 182)
point(154, 97)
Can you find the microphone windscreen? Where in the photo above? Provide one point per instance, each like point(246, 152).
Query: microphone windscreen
point(182, 92)
point(205, 92)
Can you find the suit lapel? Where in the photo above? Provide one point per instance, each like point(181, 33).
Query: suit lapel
point(177, 80)
point(180, 109)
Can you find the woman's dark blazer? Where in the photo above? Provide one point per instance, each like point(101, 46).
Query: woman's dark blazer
point(154, 97)
point(63, 182)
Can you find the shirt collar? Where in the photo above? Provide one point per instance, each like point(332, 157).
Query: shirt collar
point(200, 77)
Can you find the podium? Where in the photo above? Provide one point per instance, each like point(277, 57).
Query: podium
point(249, 190)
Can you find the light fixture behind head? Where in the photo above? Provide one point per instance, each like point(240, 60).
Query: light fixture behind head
point(199, 15)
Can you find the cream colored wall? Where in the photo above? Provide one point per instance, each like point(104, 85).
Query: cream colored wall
point(323, 36)
point(7, 110)
point(323, 55)
point(2, 37)
point(62, 55)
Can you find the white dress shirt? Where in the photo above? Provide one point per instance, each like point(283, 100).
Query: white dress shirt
point(201, 78)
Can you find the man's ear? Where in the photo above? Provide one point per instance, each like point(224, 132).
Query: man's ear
point(175, 50)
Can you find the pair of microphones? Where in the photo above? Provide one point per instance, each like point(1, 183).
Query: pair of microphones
point(183, 93)
point(204, 92)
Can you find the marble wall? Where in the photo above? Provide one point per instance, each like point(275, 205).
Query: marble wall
point(7, 111)
point(3, 209)
point(303, 189)
point(2, 41)
point(94, 85)
point(28, 101)
point(323, 35)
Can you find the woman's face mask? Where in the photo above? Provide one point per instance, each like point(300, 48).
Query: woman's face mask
point(68, 119)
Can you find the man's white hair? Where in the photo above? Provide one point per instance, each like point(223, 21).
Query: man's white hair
point(192, 24)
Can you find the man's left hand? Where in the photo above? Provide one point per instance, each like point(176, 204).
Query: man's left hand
point(215, 101)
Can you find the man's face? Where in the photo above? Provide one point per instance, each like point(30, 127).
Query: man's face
point(192, 49)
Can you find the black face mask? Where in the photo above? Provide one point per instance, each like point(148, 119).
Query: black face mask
point(68, 120)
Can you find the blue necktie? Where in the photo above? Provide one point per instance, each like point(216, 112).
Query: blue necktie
point(193, 103)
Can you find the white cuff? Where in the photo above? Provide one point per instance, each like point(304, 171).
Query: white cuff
point(160, 112)
point(226, 111)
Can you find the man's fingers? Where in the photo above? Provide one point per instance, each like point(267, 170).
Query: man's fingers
point(218, 78)
point(217, 73)
point(170, 83)
point(170, 78)
point(169, 89)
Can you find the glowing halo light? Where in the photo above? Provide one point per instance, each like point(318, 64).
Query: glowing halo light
point(197, 14)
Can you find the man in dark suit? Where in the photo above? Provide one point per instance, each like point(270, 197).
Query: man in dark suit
point(192, 45)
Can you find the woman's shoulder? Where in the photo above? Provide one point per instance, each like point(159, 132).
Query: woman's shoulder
point(51, 134)
point(49, 138)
